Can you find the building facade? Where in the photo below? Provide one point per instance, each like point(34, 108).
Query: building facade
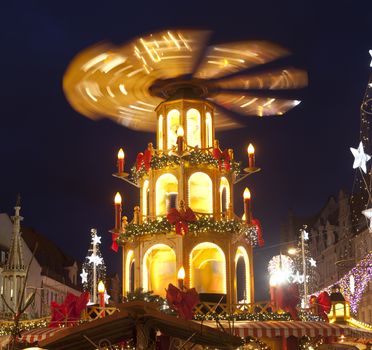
point(335, 244)
point(52, 274)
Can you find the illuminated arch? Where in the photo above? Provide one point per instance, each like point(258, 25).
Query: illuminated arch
point(166, 186)
point(145, 203)
point(173, 122)
point(242, 275)
point(159, 268)
point(200, 193)
point(208, 268)
point(129, 275)
point(208, 130)
point(224, 194)
point(193, 127)
point(160, 132)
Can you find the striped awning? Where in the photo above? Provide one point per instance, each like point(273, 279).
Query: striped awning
point(271, 329)
point(38, 334)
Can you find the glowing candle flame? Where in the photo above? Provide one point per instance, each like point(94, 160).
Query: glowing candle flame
point(247, 194)
point(121, 154)
point(117, 198)
point(101, 287)
point(250, 149)
point(181, 273)
point(180, 131)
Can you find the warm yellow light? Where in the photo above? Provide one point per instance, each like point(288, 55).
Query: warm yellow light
point(250, 149)
point(101, 287)
point(121, 154)
point(292, 251)
point(180, 131)
point(181, 273)
point(117, 198)
point(247, 194)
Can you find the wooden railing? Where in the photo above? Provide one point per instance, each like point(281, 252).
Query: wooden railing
point(92, 313)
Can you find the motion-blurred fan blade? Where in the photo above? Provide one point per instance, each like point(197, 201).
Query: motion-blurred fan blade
point(290, 78)
point(224, 59)
point(251, 105)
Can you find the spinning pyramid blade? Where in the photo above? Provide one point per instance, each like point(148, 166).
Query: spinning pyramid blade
point(290, 78)
point(225, 59)
point(250, 105)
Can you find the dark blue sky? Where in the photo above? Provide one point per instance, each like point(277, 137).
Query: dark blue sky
point(61, 162)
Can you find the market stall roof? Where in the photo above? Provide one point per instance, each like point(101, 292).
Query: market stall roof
point(122, 325)
point(271, 329)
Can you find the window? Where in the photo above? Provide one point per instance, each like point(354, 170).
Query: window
point(193, 127)
point(145, 198)
point(166, 193)
point(200, 193)
point(173, 122)
point(208, 129)
point(160, 132)
point(224, 194)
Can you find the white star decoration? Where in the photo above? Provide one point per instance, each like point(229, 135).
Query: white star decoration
point(107, 297)
point(306, 235)
point(360, 158)
point(370, 52)
point(84, 276)
point(368, 214)
point(95, 259)
point(96, 239)
point(312, 262)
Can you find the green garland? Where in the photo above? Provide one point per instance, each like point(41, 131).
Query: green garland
point(202, 225)
point(194, 158)
point(243, 316)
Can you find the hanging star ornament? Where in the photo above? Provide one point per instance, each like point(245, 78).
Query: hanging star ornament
point(96, 239)
point(312, 262)
point(306, 235)
point(95, 259)
point(368, 214)
point(360, 158)
point(84, 276)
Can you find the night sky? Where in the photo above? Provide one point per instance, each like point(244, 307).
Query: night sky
point(61, 162)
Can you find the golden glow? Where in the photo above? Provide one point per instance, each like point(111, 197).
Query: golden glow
point(247, 194)
point(241, 252)
point(117, 198)
point(193, 127)
point(128, 262)
point(292, 251)
point(160, 132)
point(208, 268)
point(166, 183)
point(200, 193)
point(250, 149)
point(180, 131)
point(181, 273)
point(208, 129)
point(173, 122)
point(101, 287)
point(224, 185)
point(121, 154)
point(159, 268)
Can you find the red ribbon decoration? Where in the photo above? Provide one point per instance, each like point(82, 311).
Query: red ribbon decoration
point(222, 156)
point(143, 159)
point(260, 239)
point(114, 245)
point(182, 302)
point(287, 297)
point(322, 305)
point(69, 311)
point(181, 219)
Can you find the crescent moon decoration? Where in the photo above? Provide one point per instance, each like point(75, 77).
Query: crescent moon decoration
point(126, 83)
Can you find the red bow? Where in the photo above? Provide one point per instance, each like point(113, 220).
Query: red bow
point(287, 298)
point(114, 245)
point(181, 219)
point(143, 159)
point(222, 156)
point(182, 302)
point(69, 311)
point(322, 304)
point(260, 239)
